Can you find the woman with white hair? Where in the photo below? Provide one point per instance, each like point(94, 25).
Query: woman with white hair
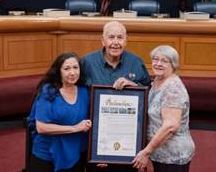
point(170, 146)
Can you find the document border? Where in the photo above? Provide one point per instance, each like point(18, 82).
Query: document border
point(96, 91)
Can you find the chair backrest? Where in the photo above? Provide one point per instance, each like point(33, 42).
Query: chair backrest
point(79, 6)
point(207, 7)
point(144, 7)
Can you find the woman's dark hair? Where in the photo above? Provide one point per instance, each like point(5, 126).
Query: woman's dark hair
point(53, 76)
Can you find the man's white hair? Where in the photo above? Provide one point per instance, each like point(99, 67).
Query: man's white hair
point(111, 24)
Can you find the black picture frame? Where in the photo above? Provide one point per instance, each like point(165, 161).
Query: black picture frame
point(97, 92)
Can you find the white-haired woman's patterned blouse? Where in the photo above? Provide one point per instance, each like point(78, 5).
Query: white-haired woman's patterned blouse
point(178, 149)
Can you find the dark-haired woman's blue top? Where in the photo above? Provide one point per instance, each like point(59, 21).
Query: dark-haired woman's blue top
point(62, 150)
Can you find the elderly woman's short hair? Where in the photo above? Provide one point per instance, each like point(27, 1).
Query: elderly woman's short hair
point(168, 52)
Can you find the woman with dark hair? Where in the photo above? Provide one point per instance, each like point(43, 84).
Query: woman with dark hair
point(59, 113)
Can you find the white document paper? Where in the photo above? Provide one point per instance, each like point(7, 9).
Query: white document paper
point(117, 128)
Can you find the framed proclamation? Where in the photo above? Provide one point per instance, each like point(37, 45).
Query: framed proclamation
point(119, 124)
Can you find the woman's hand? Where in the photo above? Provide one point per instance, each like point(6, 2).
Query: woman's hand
point(141, 159)
point(84, 125)
point(50, 129)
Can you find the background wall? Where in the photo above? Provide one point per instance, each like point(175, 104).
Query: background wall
point(30, 5)
point(167, 6)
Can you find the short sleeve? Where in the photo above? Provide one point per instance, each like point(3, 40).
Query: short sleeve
point(43, 107)
point(142, 75)
point(174, 97)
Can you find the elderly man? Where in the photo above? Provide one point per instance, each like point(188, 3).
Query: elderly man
point(112, 65)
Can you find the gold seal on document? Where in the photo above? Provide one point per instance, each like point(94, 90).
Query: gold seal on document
point(116, 146)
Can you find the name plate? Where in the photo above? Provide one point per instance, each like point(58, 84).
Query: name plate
point(56, 12)
point(196, 16)
point(125, 14)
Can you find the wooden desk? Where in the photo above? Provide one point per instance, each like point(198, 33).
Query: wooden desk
point(28, 44)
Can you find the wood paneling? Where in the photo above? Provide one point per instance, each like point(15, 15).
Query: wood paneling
point(142, 44)
point(1, 54)
point(79, 42)
point(27, 53)
point(198, 55)
point(29, 44)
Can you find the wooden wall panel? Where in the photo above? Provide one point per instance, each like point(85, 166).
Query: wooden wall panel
point(198, 54)
point(81, 43)
point(139, 44)
point(29, 44)
point(1, 54)
point(27, 52)
point(142, 44)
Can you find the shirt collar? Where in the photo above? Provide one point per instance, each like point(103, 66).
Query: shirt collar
point(104, 62)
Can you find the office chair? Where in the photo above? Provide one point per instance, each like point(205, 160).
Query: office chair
point(79, 6)
point(207, 7)
point(144, 7)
